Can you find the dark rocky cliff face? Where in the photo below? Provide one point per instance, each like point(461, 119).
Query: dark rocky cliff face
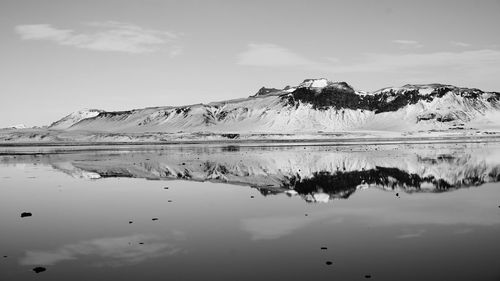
point(343, 96)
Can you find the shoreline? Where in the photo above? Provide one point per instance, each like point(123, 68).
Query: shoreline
point(265, 142)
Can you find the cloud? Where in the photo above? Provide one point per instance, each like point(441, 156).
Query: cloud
point(465, 60)
point(460, 44)
point(271, 55)
point(105, 36)
point(472, 65)
point(407, 43)
point(413, 234)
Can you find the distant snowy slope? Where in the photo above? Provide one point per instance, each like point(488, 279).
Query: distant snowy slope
point(17, 126)
point(315, 105)
point(74, 118)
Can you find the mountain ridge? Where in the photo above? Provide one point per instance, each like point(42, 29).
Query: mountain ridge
point(313, 107)
point(317, 94)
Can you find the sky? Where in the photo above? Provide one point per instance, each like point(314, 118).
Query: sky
point(59, 56)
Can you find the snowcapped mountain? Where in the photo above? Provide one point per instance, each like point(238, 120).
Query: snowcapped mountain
point(315, 105)
point(316, 109)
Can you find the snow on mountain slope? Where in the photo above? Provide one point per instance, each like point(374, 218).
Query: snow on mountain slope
point(74, 118)
point(315, 105)
point(16, 127)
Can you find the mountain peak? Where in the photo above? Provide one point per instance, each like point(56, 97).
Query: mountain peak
point(265, 91)
point(315, 83)
point(321, 83)
point(75, 117)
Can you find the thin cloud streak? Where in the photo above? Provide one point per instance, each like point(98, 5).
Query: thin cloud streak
point(407, 43)
point(460, 44)
point(466, 60)
point(105, 36)
point(485, 61)
point(271, 55)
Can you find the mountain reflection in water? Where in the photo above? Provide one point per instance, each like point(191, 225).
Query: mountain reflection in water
point(316, 173)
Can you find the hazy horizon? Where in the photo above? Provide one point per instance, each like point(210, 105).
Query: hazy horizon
point(59, 56)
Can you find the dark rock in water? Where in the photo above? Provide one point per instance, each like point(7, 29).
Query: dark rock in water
point(155, 219)
point(4, 257)
point(39, 269)
point(329, 263)
point(26, 214)
point(324, 248)
point(166, 187)
point(130, 222)
point(252, 196)
point(368, 276)
point(306, 215)
point(141, 243)
point(397, 194)
point(169, 201)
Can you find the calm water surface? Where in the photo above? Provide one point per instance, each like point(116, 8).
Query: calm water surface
point(393, 212)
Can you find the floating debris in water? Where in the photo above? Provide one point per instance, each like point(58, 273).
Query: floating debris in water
point(324, 248)
point(166, 187)
point(252, 196)
point(169, 201)
point(329, 263)
point(397, 194)
point(26, 214)
point(4, 257)
point(141, 243)
point(154, 219)
point(368, 276)
point(39, 269)
point(130, 222)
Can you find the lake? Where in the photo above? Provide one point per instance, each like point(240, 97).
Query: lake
point(286, 212)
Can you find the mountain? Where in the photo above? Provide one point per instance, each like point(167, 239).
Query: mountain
point(316, 107)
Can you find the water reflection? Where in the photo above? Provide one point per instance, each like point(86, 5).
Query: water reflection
point(317, 174)
point(112, 251)
point(82, 209)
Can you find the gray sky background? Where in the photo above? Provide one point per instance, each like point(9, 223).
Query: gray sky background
point(58, 56)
